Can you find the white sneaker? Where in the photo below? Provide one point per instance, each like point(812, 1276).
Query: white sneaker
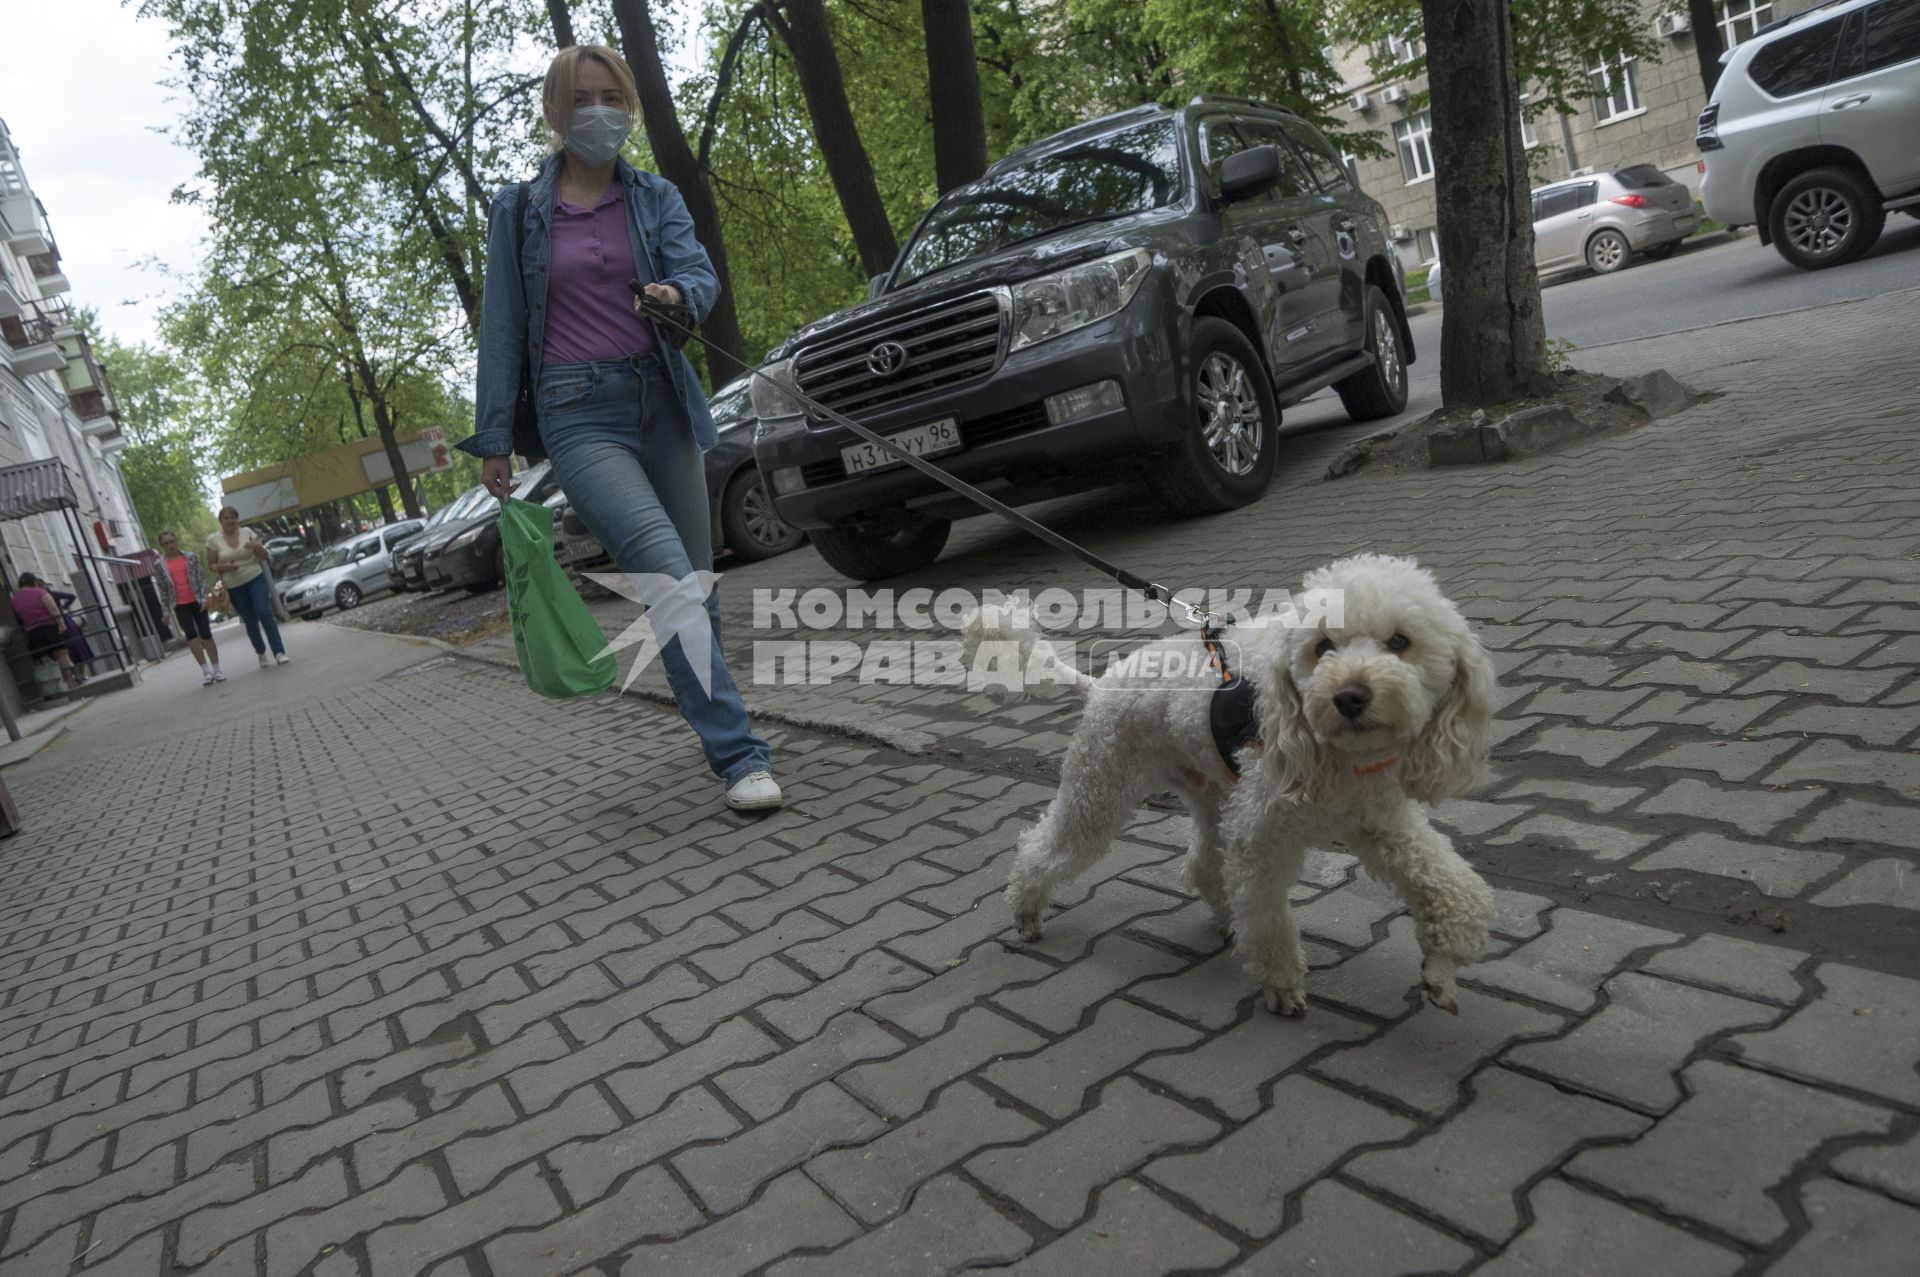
point(206, 678)
point(218, 676)
point(281, 658)
point(266, 662)
point(754, 791)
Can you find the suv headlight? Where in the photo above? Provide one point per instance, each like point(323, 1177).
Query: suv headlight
point(1075, 297)
point(772, 394)
point(466, 538)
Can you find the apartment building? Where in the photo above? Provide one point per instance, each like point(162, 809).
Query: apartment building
point(61, 487)
point(1640, 111)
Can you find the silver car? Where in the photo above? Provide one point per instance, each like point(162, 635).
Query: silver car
point(1601, 220)
point(348, 571)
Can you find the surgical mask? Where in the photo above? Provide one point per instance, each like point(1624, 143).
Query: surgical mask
point(596, 133)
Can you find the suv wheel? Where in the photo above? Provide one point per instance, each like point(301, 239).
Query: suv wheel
point(347, 596)
point(874, 556)
point(1227, 457)
point(752, 528)
point(1379, 391)
point(1607, 252)
point(1825, 217)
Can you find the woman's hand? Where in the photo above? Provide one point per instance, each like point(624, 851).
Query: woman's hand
point(496, 474)
point(664, 293)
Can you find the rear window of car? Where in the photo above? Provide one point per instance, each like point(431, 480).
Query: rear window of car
point(1797, 62)
point(1641, 176)
point(1893, 33)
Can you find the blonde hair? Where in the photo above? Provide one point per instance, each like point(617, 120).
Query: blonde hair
point(556, 95)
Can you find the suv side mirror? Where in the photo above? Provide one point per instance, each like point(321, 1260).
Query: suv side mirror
point(1249, 172)
point(875, 285)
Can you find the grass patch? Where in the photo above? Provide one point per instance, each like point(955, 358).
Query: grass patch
point(1417, 286)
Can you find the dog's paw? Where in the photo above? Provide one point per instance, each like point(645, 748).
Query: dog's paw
point(1437, 977)
point(1028, 924)
point(1291, 1003)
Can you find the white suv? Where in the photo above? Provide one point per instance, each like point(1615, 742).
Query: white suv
point(1810, 132)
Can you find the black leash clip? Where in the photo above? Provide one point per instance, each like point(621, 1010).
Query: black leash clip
point(676, 319)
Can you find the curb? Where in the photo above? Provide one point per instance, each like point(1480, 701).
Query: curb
point(903, 739)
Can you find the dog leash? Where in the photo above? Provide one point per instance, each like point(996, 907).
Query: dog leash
point(664, 314)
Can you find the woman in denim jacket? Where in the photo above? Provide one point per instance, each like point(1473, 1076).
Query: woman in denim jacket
point(621, 414)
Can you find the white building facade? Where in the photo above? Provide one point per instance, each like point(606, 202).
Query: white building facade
point(1639, 111)
point(54, 399)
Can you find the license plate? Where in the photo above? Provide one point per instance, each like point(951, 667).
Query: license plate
point(929, 440)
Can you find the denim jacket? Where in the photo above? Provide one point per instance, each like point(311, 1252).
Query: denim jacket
point(513, 309)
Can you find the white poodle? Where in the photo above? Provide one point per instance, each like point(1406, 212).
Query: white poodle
point(1359, 722)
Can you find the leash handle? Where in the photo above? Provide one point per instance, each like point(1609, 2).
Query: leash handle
point(657, 311)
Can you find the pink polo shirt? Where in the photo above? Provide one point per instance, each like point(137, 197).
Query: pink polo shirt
point(590, 314)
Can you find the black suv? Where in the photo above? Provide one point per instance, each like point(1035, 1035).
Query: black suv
point(1141, 294)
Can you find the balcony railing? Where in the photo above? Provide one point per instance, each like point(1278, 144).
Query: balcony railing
point(34, 335)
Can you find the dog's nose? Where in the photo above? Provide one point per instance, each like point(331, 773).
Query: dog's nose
point(1352, 699)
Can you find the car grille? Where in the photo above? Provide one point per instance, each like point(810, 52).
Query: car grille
point(953, 344)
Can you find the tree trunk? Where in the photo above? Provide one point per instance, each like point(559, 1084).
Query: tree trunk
point(562, 24)
point(1703, 16)
point(835, 133)
point(953, 88)
point(721, 328)
point(1493, 346)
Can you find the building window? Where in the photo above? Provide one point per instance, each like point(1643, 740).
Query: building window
point(1414, 135)
point(1396, 49)
point(1739, 19)
point(1529, 135)
point(1616, 88)
point(1428, 240)
point(1351, 162)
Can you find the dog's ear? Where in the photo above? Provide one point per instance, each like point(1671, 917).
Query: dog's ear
point(1450, 756)
point(1292, 750)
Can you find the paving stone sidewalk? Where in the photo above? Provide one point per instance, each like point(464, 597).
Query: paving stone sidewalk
point(424, 975)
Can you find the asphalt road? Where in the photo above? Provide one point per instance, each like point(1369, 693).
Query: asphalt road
point(1713, 279)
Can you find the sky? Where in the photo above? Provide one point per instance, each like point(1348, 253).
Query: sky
point(87, 143)
point(88, 140)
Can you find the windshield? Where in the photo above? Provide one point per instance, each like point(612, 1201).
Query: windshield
point(1122, 173)
point(333, 558)
point(469, 505)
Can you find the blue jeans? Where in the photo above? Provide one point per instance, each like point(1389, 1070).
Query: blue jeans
point(256, 613)
point(625, 455)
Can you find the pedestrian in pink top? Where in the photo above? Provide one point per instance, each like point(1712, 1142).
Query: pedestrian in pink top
point(41, 615)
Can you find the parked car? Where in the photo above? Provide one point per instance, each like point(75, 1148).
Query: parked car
point(396, 577)
point(1600, 220)
point(1809, 134)
point(347, 572)
point(467, 553)
point(409, 556)
point(745, 522)
point(284, 549)
point(1136, 296)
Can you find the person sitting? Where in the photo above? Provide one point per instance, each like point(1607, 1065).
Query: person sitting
point(42, 615)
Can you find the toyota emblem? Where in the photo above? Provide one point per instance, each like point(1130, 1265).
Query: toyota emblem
point(886, 359)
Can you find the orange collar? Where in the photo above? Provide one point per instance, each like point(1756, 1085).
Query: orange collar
point(1371, 768)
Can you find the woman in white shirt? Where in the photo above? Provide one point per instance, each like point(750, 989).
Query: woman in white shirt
point(236, 555)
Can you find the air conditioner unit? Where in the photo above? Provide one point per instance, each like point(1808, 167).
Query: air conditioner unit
point(1671, 24)
point(1394, 93)
point(1401, 234)
point(1361, 102)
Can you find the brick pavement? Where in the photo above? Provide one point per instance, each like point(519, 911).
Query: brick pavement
point(421, 974)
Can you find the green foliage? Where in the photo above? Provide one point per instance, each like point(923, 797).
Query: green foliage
point(161, 465)
point(1559, 354)
point(1555, 42)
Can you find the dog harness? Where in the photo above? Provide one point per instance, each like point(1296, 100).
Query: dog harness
point(1231, 710)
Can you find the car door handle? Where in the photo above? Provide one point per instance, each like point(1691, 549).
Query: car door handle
point(1854, 99)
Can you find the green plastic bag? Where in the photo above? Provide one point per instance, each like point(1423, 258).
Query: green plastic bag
point(561, 649)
